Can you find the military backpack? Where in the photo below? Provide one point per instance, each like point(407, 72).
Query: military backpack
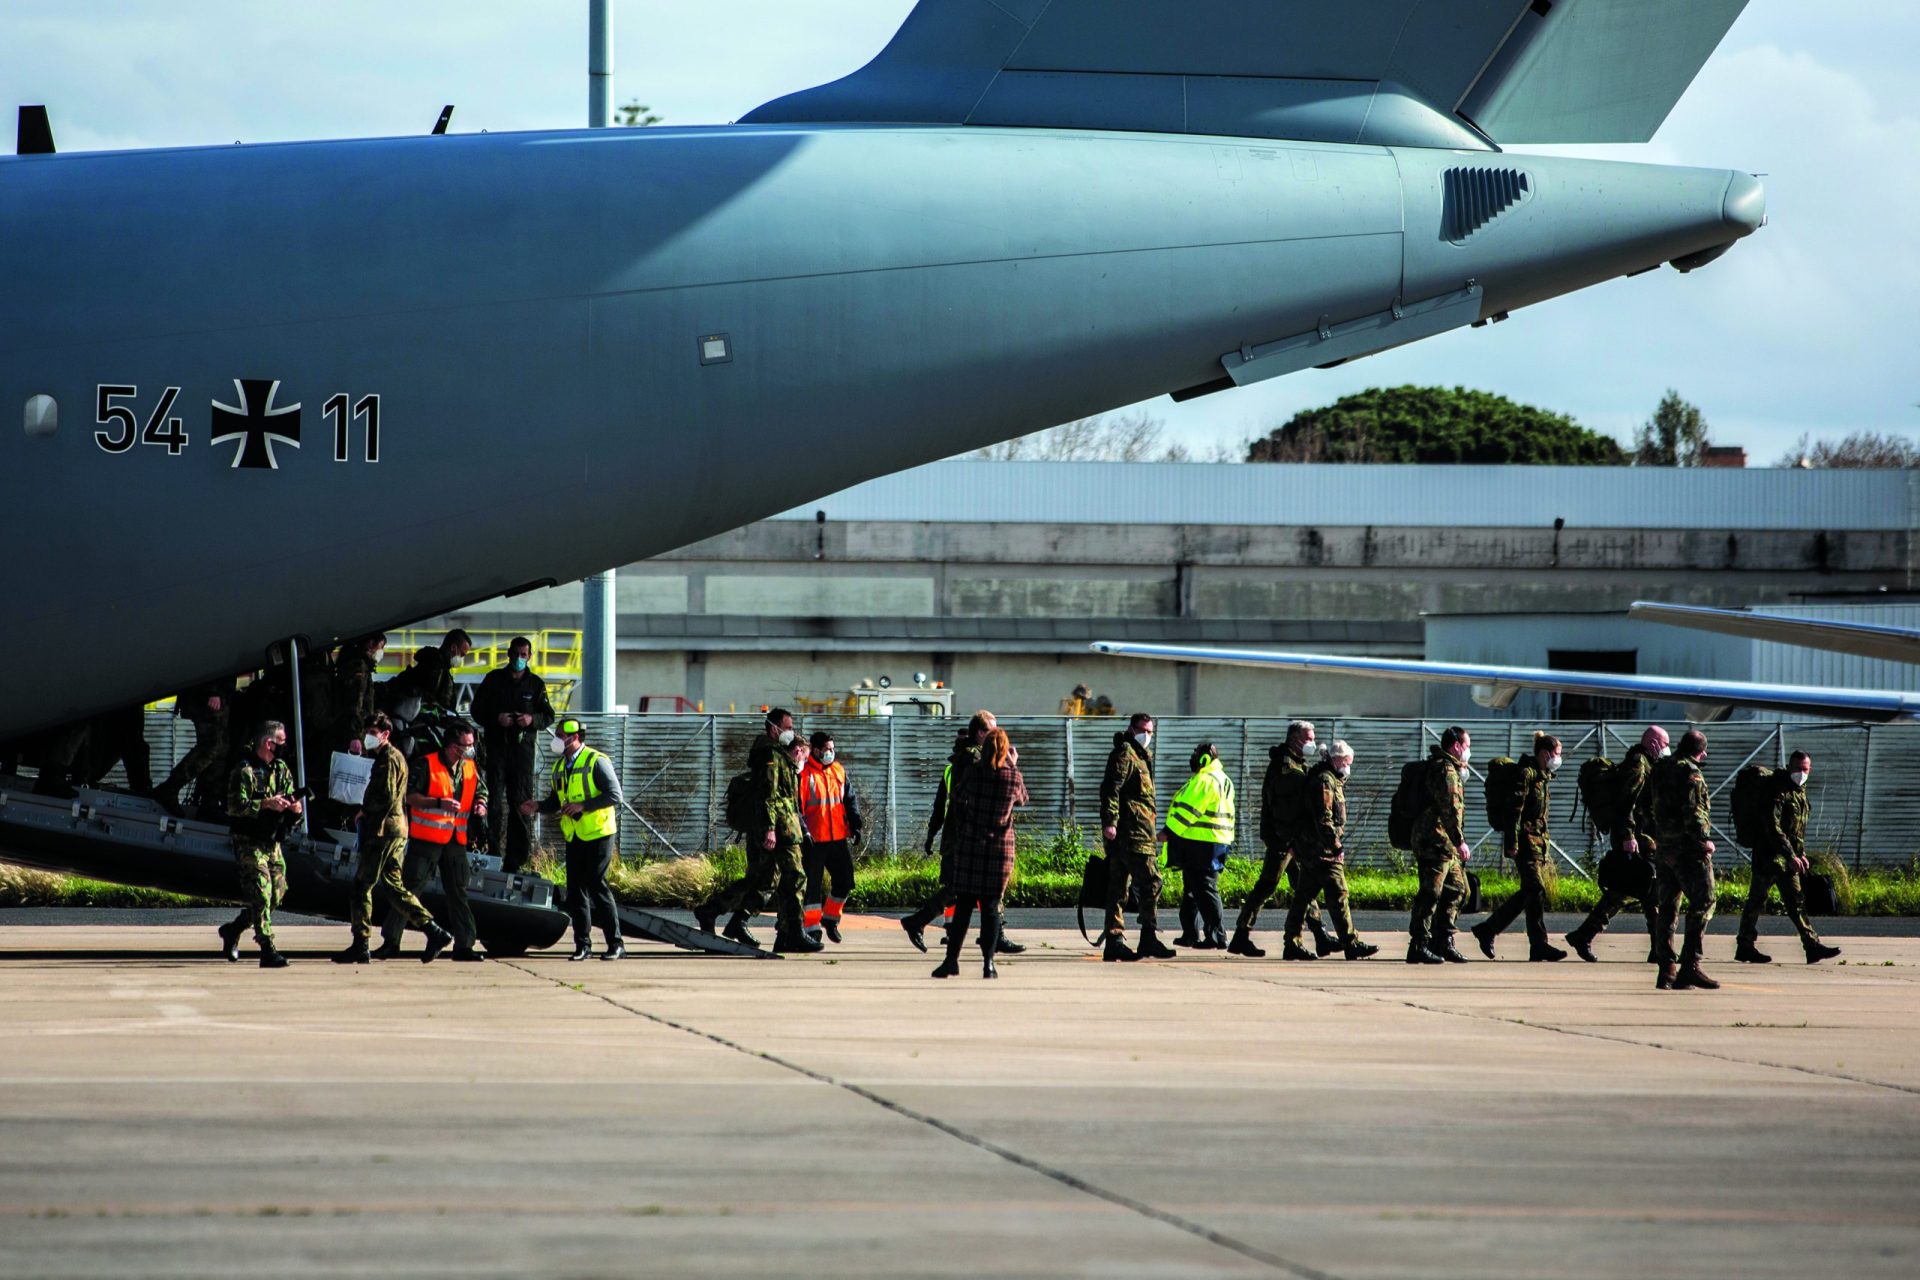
point(1506, 792)
point(1595, 791)
point(1753, 792)
point(1408, 799)
point(740, 811)
point(1289, 804)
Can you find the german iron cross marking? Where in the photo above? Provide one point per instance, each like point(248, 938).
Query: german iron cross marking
point(256, 424)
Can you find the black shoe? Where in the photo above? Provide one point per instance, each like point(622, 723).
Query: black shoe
point(1323, 944)
point(618, 951)
point(1663, 981)
point(1690, 976)
point(270, 957)
point(1583, 947)
point(467, 955)
point(1545, 951)
point(1483, 938)
point(1117, 949)
point(1005, 946)
point(1294, 951)
point(706, 915)
point(1212, 942)
point(737, 930)
point(1417, 954)
point(1818, 951)
point(800, 943)
point(1747, 953)
point(831, 928)
point(230, 942)
point(356, 953)
point(988, 971)
point(1358, 950)
point(582, 951)
point(1151, 948)
point(1242, 945)
point(1447, 951)
point(916, 933)
point(949, 968)
point(1188, 939)
point(387, 950)
point(438, 940)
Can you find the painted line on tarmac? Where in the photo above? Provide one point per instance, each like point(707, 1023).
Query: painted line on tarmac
point(1069, 1180)
point(1403, 1002)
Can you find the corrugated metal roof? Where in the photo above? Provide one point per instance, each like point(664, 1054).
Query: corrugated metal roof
point(968, 491)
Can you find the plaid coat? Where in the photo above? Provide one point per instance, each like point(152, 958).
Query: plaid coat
point(983, 804)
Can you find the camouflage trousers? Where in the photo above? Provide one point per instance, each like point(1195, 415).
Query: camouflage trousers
point(263, 884)
point(1530, 899)
point(1143, 870)
point(1768, 872)
point(1312, 878)
point(1277, 863)
point(379, 866)
point(1436, 904)
point(1690, 874)
point(777, 874)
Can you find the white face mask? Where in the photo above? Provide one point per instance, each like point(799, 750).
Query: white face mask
point(828, 757)
point(786, 737)
point(379, 655)
point(1663, 752)
point(556, 746)
point(468, 754)
point(1799, 778)
point(1144, 739)
point(1553, 764)
point(1465, 757)
point(1342, 770)
point(371, 741)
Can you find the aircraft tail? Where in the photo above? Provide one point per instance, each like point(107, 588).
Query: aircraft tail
point(1419, 73)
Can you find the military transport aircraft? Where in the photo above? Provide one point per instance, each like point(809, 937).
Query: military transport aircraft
point(318, 389)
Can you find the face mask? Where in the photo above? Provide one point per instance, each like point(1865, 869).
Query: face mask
point(468, 754)
point(786, 737)
point(1663, 753)
point(1342, 770)
point(1306, 748)
point(519, 664)
point(556, 746)
point(1144, 739)
point(1465, 757)
point(378, 655)
point(1799, 778)
point(829, 757)
point(371, 741)
point(278, 749)
point(1553, 764)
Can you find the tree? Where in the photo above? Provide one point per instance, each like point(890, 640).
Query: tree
point(1860, 450)
point(1675, 436)
point(1130, 436)
point(1433, 424)
point(636, 115)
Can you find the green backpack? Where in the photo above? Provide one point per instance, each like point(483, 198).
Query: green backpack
point(739, 809)
point(1506, 787)
point(1753, 792)
point(1596, 786)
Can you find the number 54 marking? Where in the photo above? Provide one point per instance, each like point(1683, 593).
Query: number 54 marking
point(159, 430)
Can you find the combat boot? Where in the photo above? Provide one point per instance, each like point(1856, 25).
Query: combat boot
point(1546, 951)
point(1485, 938)
point(1358, 950)
point(438, 940)
point(1006, 946)
point(467, 955)
point(356, 953)
point(1663, 981)
point(737, 930)
point(270, 957)
point(1324, 943)
point(1690, 976)
point(388, 950)
point(1242, 945)
point(1417, 954)
point(1445, 949)
point(1818, 951)
point(795, 941)
point(832, 929)
point(1294, 951)
point(1747, 953)
point(706, 915)
point(1582, 944)
point(1151, 948)
point(230, 941)
point(1188, 939)
point(1117, 949)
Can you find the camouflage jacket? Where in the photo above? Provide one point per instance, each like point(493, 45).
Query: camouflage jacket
point(1530, 833)
point(1682, 810)
point(1283, 790)
point(1321, 835)
point(1126, 798)
point(1787, 834)
point(249, 784)
point(1632, 798)
point(383, 808)
point(353, 692)
point(775, 790)
point(1442, 822)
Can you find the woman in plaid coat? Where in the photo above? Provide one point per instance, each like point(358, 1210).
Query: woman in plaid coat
point(982, 854)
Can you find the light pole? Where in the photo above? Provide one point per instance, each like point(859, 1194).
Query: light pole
point(599, 633)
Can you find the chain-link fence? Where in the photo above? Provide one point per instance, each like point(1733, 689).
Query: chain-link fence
point(1864, 792)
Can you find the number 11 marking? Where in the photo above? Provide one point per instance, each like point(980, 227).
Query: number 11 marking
point(336, 411)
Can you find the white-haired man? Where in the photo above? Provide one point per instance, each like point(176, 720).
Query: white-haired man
point(1319, 858)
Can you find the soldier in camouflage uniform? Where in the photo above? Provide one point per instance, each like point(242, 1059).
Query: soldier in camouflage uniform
point(774, 864)
point(1682, 819)
point(1130, 822)
point(1319, 859)
point(353, 683)
point(1440, 853)
point(1631, 837)
point(260, 800)
point(383, 846)
point(1282, 790)
point(209, 708)
point(1530, 846)
point(1781, 859)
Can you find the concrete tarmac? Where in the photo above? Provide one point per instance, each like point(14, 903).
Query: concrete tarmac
point(163, 1113)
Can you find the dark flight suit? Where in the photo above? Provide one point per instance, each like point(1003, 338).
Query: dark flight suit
point(1682, 819)
point(1318, 851)
point(1437, 833)
point(1286, 777)
point(1632, 820)
point(1528, 846)
point(511, 757)
point(1786, 839)
point(1127, 805)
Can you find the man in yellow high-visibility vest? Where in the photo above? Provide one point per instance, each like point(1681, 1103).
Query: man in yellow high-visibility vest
point(587, 796)
point(1199, 833)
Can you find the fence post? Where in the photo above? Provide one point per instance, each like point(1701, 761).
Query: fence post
point(1068, 816)
point(1860, 823)
point(893, 794)
point(713, 774)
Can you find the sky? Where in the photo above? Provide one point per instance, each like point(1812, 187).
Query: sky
point(1805, 328)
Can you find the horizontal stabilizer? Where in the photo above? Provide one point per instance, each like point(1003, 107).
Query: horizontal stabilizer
point(1861, 639)
point(1415, 73)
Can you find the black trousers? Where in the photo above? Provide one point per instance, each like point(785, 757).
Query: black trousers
point(509, 784)
point(1201, 910)
point(991, 913)
point(588, 862)
point(829, 869)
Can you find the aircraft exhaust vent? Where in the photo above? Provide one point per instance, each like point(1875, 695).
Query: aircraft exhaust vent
point(1476, 196)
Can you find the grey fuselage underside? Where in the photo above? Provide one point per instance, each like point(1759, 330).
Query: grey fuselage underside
point(529, 308)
